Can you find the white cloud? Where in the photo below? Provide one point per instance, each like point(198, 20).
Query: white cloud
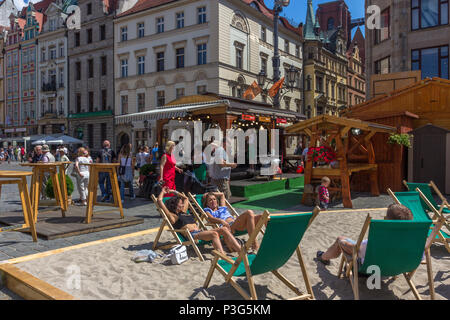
point(23, 3)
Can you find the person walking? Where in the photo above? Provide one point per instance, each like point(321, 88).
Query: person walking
point(126, 171)
point(155, 154)
point(168, 167)
point(220, 169)
point(142, 157)
point(22, 154)
point(106, 155)
point(82, 169)
point(63, 157)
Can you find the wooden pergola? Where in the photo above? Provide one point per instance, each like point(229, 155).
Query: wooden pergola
point(354, 149)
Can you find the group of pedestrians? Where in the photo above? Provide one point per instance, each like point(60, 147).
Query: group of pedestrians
point(11, 153)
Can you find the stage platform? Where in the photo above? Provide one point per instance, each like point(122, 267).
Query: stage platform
point(51, 225)
point(253, 187)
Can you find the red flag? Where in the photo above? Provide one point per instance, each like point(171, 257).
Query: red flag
point(276, 87)
point(252, 91)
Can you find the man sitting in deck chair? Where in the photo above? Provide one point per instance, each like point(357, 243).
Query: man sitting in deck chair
point(176, 207)
point(342, 243)
point(215, 207)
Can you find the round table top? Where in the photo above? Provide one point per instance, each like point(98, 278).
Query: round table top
point(42, 164)
point(14, 174)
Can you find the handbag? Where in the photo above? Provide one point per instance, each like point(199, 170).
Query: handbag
point(73, 172)
point(122, 169)
point(178, 254)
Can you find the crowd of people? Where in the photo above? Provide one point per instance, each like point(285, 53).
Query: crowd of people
point(12, 153)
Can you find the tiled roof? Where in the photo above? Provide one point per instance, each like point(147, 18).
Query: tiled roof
point(142, 5)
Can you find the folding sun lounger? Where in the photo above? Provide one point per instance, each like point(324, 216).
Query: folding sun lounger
point(182, 236)
point(281, 239)
point(418, 203)
point(426, 190)
point(395, 246)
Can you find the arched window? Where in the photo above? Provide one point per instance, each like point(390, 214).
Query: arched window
point(330, 24)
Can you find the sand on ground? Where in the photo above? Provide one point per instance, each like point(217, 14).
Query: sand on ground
point(107, 272)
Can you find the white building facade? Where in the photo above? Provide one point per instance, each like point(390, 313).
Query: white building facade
point(52, 77)
point(183, 48)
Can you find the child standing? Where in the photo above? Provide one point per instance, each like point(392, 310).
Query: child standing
point(324, 195)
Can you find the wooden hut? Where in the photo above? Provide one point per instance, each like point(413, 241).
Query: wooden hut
point(352, 140)
point(425, 104)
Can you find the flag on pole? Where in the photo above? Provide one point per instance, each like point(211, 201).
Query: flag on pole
point(252, 91)
point(276, 87)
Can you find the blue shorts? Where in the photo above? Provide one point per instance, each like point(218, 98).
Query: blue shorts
point(194, 233)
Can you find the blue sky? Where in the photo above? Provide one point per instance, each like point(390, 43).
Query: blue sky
point(297, 9)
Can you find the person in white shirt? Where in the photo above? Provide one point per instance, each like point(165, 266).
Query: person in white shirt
point(82, 169)
point(342, 243)
point(142, 157)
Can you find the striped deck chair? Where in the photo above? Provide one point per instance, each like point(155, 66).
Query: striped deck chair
point(396, 247)
point(281, 240)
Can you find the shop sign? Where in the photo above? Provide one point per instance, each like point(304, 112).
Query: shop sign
point(281, 121)
point(21, 130)
point(265, 119)
point(248, 117)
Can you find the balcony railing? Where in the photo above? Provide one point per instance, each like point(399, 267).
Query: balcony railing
point(48, 87)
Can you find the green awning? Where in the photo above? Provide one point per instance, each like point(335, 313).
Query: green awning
point(103, 113)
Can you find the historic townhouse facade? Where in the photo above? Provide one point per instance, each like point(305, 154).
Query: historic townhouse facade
point(414, 35)
point(3, 34)
point(53, 63)
point(356, 77)
point(325, 67)
point(183, 48)
point(91, 74)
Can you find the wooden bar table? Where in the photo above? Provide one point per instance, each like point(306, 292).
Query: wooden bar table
point(20, 178)
point(94, 170)
point(60, 191)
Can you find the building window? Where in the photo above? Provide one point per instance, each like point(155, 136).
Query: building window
point(160, 25)
point(77, 39)
point(428, 13)
point(264, 65)
point(286, 46)
point(239, 58)
point(91, 101)
point(319, 84)
point(78, 70)
point(102, 32)
point(91, 68)
point(160, 98)
point(104, 99)
point(89, 8)
point(297, 51)
point(308, 83)
point(263, 34)
point(179, 93)
point(383, 66)
point(160, 61)
point(103, 66)
point(433, 62)
point(124, 68)
point(61, 77)
point(330, 24)
point(78, 103)
point(141, 30)
point(124, 104)
point(124, 33)
point(180, 57)
point(384, 33)
point(141, 102)
point(201, 15)
point(201, 54)
point(89, 35)
point(61, 50)
point(180, 20)
point(141, 65)
point(201, 89)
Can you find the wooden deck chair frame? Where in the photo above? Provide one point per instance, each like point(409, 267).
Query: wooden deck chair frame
point(444, 202)
point(187, 235)
point(438, 220)
point(244, 258)
point(350, 264)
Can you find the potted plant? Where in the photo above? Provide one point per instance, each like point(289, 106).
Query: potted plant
point(322, 155)
point(69, 184)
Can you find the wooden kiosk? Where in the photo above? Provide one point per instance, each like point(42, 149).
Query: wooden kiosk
point(354, 149)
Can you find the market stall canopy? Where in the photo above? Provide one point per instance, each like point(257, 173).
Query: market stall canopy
point(65, 140)
point(173, 111)
point(43, 140)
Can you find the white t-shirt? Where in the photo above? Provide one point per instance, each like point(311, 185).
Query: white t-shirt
point(142, 158)
point(82, 161)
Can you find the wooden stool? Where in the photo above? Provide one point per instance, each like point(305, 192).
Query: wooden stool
point(20, 178)
point(60, 191)
point(94, 170)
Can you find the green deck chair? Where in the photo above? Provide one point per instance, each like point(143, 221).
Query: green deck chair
point(181, 236)
point(418, 203)
point(281, 239)
point(426, 190)
point(196, 201)
point(396, 247)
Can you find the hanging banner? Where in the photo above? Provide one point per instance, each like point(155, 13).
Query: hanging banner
point(265, 119)
point(248, 117)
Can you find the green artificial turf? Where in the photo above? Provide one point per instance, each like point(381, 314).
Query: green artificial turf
point(273, 201)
